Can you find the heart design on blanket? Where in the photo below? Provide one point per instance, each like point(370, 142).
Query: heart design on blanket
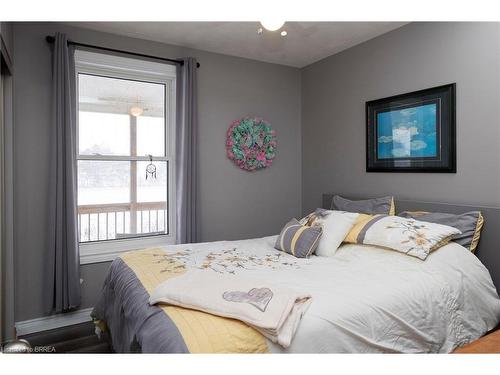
point(257, 297)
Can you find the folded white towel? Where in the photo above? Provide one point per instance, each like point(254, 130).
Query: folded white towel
point(273, 310)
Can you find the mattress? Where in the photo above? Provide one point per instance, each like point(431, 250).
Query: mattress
point(364, 300)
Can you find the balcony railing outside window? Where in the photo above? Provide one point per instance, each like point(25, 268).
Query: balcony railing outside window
point(108, 222)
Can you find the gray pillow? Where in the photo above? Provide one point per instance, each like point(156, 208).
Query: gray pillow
point(469, 223)
point(384, 205)
point(298, 240)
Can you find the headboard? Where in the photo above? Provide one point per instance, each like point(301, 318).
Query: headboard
point(488, 250)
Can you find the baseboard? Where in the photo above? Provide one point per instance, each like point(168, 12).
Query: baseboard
point(27, 327)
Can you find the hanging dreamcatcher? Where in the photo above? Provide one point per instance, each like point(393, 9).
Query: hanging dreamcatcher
point(150, 168)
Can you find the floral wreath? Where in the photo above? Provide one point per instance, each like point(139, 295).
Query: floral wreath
point(251, 143)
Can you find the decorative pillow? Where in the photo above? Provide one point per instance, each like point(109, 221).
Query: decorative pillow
point(297, 239)
point(409, 236)
point(335, 224)
point(469, 223)
point(358, 225)
point(384, 205)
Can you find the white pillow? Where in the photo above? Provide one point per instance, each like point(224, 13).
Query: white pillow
point(335, 225)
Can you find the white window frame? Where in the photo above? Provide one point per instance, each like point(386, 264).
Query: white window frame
point(141, 70)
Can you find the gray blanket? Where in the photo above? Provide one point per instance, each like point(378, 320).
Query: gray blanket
point(133, 324)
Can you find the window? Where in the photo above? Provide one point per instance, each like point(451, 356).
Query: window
point(125, 122)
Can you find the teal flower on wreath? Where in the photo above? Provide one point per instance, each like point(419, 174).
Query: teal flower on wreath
point(251, 143)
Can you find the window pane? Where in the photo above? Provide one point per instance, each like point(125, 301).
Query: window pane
point(152, 189)
point(108, 108)
point(103, 182)
point(150, 136)
point(106, 208)
point(103, 133)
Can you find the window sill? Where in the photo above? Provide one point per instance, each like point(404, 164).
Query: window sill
point(107, 251)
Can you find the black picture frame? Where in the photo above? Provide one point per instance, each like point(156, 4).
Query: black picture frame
point(418, 147)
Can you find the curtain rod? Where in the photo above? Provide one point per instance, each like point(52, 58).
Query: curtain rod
point(51, 39)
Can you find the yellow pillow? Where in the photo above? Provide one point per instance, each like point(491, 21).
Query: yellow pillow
point(392, 210)
point(469, 223)
point(477, 233)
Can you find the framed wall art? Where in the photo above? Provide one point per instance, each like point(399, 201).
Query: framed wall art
point(413, 132)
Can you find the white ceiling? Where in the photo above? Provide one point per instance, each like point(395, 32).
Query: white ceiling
point(113, 95)
point(306, 42)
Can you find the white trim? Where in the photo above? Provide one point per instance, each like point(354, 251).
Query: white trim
point(131, 68)
point(130, 65)
point(107, 251)
point(27, 327)
point(121, 158)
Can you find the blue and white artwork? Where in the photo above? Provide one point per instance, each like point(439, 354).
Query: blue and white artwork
point(407, 133)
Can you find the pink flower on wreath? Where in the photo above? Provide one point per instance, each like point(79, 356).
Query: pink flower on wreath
point(261, 156)
point(249, 154)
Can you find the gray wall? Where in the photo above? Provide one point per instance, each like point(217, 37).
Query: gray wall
point(233, 204)
point(416, 56)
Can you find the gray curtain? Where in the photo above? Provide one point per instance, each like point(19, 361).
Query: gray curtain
point(63, 271)
point(186, 152)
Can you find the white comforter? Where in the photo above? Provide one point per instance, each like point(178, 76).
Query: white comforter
point(366, 299)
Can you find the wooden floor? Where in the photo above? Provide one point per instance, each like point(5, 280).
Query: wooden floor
point(78, 338)
point(489, 344)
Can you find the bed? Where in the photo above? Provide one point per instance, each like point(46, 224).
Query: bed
point(365, 300)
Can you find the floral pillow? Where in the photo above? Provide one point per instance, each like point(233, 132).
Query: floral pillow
point(408, 236)
point(470, 223)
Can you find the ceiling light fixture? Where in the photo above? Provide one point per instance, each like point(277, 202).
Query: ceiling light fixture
point(136, 111)
point(284, 33)
point(272, 24)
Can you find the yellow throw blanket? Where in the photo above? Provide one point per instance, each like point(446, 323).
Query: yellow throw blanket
point(202, 332)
